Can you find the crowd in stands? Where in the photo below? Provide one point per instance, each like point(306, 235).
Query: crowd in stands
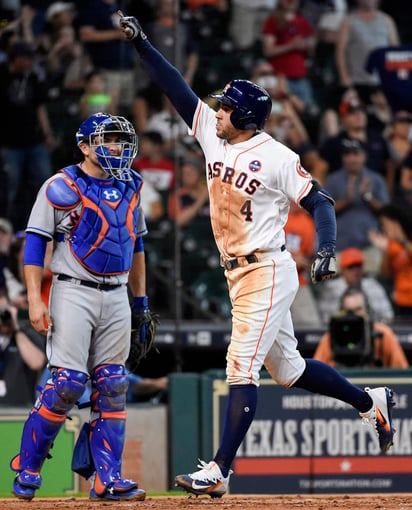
point(340, 76)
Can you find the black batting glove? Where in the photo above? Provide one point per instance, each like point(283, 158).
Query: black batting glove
point(324, 265)
point(131, 27)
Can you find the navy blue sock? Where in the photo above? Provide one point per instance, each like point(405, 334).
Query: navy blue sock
point(321, 378)
point(239, 414)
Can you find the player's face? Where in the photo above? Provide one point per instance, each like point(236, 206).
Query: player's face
point(224, 127)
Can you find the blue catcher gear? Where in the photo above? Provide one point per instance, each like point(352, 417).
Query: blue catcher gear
point(252, 104)
point(98, 131)
point(59, 395)
point(108, 434)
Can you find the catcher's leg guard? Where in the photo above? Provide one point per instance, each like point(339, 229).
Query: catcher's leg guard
point(42, 426)
point(108, 434)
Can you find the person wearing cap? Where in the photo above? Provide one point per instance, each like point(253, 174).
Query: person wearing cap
point(385, 349)
point(352, 273)
point(61, 11)
point(354, 124)
point(359, 193)
point(25, 132)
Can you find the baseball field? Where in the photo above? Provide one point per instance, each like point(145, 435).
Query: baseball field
point(249, 502)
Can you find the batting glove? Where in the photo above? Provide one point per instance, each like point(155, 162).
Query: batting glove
point(324, 265)
point(131, 27)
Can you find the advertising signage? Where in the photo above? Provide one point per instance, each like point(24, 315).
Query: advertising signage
point(300, 442)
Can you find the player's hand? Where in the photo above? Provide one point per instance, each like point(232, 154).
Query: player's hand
point(143, 330)
point(324, 265)
point(131, 27)
point(39, 316)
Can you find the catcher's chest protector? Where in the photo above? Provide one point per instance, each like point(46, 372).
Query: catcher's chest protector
point(104, 236)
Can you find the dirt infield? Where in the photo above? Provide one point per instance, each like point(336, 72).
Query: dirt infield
point(252, 502)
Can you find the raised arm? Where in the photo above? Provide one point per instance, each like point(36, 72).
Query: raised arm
point(160, 70)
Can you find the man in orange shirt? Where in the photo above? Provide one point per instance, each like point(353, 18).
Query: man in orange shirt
point(394, 240)
point(385, 349)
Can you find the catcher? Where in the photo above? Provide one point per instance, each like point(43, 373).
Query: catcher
point(92, 213)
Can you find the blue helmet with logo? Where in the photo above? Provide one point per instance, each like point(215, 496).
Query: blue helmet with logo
point(95, 130)
point(251, 103)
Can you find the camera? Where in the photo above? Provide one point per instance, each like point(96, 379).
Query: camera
point(5, 316)
point(351, 338)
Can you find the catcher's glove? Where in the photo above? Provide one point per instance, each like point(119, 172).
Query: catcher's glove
point(131, 27)
point(324, 265)
point(144, 324)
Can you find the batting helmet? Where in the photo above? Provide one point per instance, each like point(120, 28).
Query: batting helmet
point(251, 103)
point(93, 131)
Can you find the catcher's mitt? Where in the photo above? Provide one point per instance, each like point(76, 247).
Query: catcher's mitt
point(143, 333)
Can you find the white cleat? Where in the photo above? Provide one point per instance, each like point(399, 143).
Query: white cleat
point(209, 480)
point(380, 415)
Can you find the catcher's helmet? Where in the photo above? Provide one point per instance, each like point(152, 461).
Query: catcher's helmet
point(251, 103)
point(93, 130)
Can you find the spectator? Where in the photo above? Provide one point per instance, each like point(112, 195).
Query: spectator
point(359, 193)
point(314, 163)
point(395, 242)
point(285, 125)
point(354, 121)
point(95, 99)
point(400, 145)
point(152, 163)
point(300, 241)
point(403, 191)
point(57, 16)
point(393, 65)
point(276, 85)
point(26, 137)
point(352, 274)
point(375, 345)
point(247, 20)
point(363, 30)
point(67, 63)
point(191, 201)
point(173, 38)
point(169, 125)
point(21, 354)
point(16, 288)
point(287, 40)
point(326, 17)
point(109, 52)
point(15, 280)
point(6, 239)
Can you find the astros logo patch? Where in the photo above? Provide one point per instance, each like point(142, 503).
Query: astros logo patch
point(255, 165)
point(301, 171)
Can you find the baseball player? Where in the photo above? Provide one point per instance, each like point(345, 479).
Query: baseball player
point(252, 178)
point(91, 211)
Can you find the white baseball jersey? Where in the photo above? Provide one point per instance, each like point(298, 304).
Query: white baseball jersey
point(250, 186)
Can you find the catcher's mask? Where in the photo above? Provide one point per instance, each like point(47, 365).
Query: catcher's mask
point(252, 104)
point(102, 129)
